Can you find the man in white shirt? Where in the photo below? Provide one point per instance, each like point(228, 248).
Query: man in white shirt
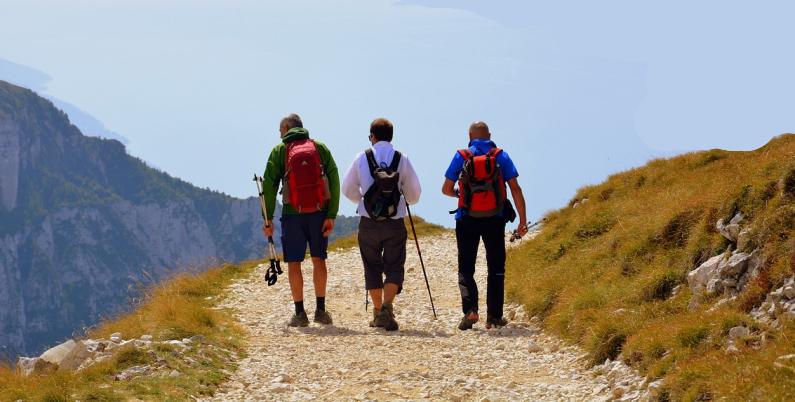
point(381, 181)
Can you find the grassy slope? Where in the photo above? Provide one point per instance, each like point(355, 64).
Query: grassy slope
point(636, 238)
point(181, 307)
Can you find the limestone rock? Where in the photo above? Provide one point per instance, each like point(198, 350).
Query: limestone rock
point(789, 291)
point(698, 278)
point(735, 265)
point(731, 230)
point(743, 238)
point(739, 332)
point(132, 372)
point(68, 355)
point(34, 365)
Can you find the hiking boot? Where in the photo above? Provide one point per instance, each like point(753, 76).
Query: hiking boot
point(299, 320)
point(386, 318)
point(495, 322)
point(374, 322)
point(468, 321)
point(323, 317)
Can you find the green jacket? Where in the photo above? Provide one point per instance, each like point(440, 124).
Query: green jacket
point(274, 172)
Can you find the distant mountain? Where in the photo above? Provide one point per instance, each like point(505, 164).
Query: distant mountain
point(36, 80)
point(83, 225)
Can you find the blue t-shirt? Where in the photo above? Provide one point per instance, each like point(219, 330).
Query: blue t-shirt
point(481, 147)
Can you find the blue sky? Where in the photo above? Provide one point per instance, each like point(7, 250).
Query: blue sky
point(574, 91)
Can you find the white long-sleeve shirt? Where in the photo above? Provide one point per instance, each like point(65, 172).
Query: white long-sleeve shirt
point(358, 179)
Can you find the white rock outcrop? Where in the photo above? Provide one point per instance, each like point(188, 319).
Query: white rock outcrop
point(779, 303)
point(732, 229)
point(68, 355)
point(730, 272)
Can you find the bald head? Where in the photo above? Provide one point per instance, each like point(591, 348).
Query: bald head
point(480, 130)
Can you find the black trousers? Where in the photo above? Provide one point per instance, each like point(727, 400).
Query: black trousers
point(468, 232)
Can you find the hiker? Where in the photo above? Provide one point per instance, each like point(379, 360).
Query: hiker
point(482, 170)
point(381, 181)
point(310, 199)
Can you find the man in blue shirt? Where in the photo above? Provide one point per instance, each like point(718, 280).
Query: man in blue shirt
point(469, 230)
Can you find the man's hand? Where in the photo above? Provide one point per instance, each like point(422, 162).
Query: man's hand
point(328, 226)
point(522, 229)
point(267, 229)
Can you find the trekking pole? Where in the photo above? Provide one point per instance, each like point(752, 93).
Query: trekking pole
point(275, 268)
point(515, 235)
point(419, 253)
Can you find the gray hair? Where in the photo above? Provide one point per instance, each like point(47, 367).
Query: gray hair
point(292, 121)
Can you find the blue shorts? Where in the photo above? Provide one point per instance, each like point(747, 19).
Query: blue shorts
point(300, 230)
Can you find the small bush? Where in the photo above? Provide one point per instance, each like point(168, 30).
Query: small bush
point(605, 194)
point(788, 182)
point(597, 227)
point(677, 231)
point(693, 336)
point(661, 286)
point(130, 356)
point(709, 157)
point(606, 343)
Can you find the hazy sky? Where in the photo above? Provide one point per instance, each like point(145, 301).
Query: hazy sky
point(573, 90)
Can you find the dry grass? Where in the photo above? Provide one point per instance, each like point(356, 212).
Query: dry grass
point(178, 308)
point(423, 228)
point(602, 274)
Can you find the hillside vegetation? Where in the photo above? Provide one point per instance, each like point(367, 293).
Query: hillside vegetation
point(179, 308)
point(610, 272)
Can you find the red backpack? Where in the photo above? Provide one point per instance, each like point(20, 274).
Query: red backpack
point(481, 186)
point(305, 186)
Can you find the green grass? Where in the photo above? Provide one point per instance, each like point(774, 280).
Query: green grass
point(602, 275)
point(178, 308)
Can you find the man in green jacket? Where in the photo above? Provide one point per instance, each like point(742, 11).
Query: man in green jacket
point(303, 222)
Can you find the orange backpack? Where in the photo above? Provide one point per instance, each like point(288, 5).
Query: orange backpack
point(305, 187)
point(481, 186)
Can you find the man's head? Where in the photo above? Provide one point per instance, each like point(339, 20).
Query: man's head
point(479, 130)
point(291, 121)
point(381, 129)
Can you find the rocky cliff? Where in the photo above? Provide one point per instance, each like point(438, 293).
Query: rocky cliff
point(83, 225)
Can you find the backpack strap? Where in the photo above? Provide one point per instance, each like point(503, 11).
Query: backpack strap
point(371, 162)
point(491, 158)
point(466, 154)
point(395, 162)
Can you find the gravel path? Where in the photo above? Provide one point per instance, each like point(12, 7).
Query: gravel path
point(425, 359)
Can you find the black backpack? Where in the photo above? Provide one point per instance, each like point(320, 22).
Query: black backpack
point(382, 198)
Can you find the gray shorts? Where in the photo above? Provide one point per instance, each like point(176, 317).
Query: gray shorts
point(382, 244)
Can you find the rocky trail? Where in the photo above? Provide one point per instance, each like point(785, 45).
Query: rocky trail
point(425, 359)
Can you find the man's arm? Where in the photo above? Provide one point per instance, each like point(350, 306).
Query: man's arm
point(333, 177)
point(410, 182)
point(351, 183)
point(270, 185)
point(451, 175)
point(448, 188)
point(334, 189)
point(518, 199)
point(271, 179)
